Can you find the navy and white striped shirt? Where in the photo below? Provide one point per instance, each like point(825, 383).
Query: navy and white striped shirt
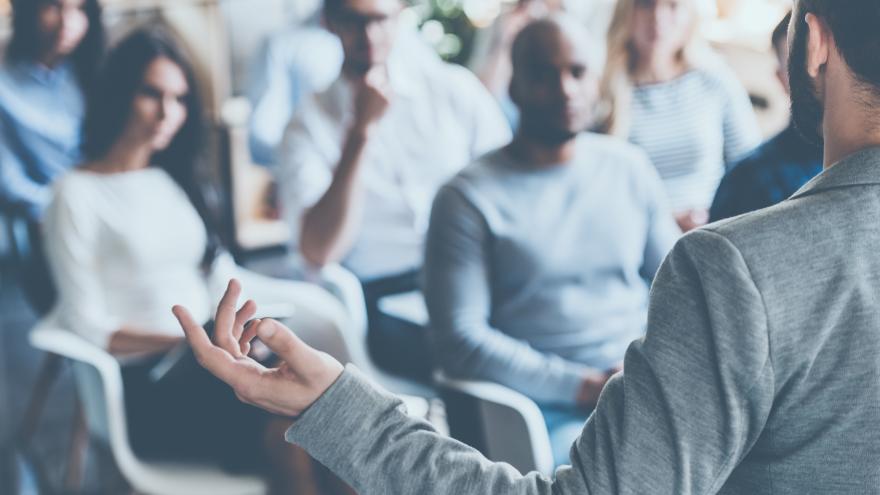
point(693, 128)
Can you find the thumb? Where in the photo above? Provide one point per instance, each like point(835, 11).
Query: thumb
point(281, 340)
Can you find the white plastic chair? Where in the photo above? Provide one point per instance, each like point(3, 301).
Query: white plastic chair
point(99, 385)
point(511, 426)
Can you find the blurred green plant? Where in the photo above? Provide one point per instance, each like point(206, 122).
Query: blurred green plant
point(446, 28)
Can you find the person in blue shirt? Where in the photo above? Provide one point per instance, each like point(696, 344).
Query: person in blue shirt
point(774, 171)
point(54, 52)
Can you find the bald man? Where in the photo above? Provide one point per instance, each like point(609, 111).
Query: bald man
point(540, 255)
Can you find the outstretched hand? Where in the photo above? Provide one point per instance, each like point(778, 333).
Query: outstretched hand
point(303, 375)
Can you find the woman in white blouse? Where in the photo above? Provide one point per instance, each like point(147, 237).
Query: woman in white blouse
point(128, 235)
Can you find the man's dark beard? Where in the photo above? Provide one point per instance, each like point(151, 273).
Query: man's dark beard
point(536, 127)
point(807, 110)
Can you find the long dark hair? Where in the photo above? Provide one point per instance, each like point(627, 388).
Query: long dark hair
point(110, 107)
point(25, 44)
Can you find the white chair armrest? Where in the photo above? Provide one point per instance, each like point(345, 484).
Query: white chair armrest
point(269, 293)
point(67, 344)
point(346, 286)
point(99, 386)
point(408, 306)
point(499, 395)
point(340, 282)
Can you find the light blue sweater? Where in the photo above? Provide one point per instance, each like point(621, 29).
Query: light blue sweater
point(533, 276)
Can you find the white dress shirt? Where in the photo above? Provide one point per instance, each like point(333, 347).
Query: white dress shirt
point(440, 119)
point(293, 65)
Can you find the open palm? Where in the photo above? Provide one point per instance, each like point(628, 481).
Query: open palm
point(301, 377)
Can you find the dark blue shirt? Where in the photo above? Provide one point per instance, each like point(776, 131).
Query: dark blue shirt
point(771, 174)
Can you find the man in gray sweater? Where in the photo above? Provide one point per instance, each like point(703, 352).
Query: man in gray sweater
point(759, 372)
point(540, 255)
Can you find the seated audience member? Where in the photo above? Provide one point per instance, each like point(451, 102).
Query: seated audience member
point(128, 234)
point(758, 373)
point(362, 162)
point(540, 255)
point(666, 92)
point(49, 64)
point(778, 168)
point(294, 65)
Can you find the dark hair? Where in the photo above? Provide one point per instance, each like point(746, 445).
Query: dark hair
point(853, 24)
point(780, 33)
point(110, 107)
point(25, 44)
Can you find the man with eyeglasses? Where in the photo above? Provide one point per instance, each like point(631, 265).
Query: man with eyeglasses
point(361, 163)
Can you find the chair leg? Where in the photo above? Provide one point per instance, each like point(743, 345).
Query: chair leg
point(48, 375)
point(79, 443)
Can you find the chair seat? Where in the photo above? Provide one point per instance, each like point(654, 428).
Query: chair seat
point(192, 479)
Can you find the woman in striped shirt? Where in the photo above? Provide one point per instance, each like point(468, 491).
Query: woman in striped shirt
point(665, 91)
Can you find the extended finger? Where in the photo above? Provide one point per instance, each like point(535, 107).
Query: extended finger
point(224, 320)
point(242, 316)
point(213, 358)
point(195, 333)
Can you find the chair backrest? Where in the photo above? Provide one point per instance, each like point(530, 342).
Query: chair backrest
point(503, 424)
point(99, 386)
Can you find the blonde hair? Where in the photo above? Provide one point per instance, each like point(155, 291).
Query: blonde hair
point(616, 86)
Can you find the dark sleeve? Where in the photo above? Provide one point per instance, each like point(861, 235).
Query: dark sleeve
point(741, 191)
